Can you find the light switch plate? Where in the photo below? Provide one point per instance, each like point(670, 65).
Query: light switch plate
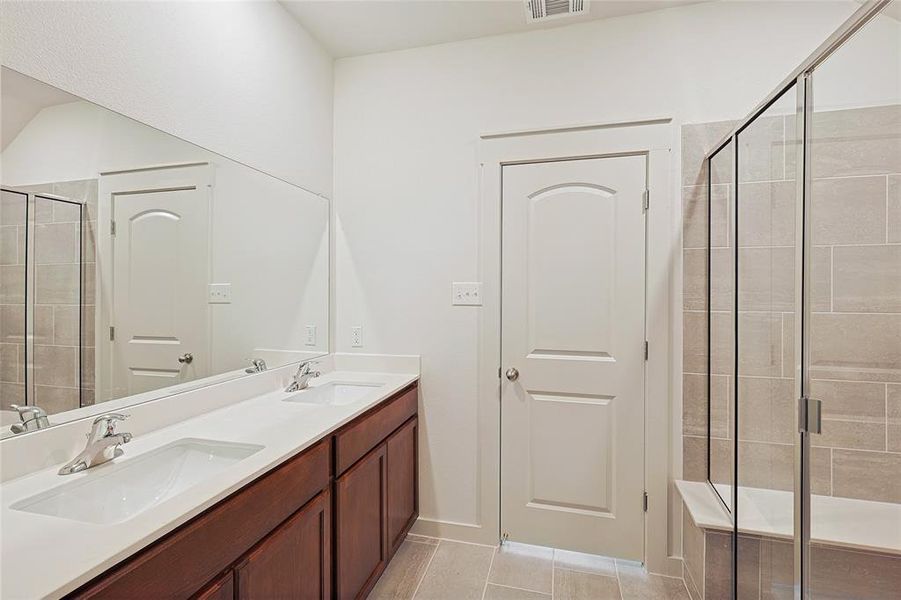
point(311, 335)
point(467, 293)
point(220, 293)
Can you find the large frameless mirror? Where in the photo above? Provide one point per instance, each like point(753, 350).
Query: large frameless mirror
point(134, 264)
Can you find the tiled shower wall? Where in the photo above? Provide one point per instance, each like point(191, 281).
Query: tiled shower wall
point(12, 300)
point(55, 362)
point(856, 326)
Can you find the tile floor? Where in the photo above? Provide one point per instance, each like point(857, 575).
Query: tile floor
point(432, 569)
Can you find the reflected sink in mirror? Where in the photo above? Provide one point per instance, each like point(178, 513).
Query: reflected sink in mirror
point(120, 491)
point(335, 393)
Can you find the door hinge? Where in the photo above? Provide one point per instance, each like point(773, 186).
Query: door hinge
point(646, 349)
point(112, 228)
point(646, 200)
point(644, 502)
point(112, 333)
point(810, 415)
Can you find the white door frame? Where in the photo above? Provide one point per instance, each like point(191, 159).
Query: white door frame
point(653, 138)
point(174, 175)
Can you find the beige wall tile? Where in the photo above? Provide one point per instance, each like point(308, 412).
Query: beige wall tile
point(9, 363)
point(850, 400)
point(760, 344)
point(694, 216)
point(692, 549)
point(718, 566)
point(838, 573)
point(11, 393)
point(867, 475)
point(721, 461)
point(90, 281)
point(56, 366)
point(9, 246)
point(766, 279)
point(694, 279)
point(88, 369)
point(12, 284)
point(857, 435)
point(404, 572)
point(457, 570)
point(766, 213)
point(821, 275)
point(499, 592)
point(856, 346)
point(65, 325)
point(893, 410)
point(866, 279)
point(766, 465)
point(697, 140)
point(56, 243)
point(573, 585)
point(56, 399)
point(766, 410)
point(523, 566)
point(821, 471)
point(863, 141)
point(894, 208)
point(12, 208)
point(848, 211)
point(88, 325)
point(56, 284)
point(777, 577)
point(12, 323)
point(694, 342)
point(637, 584)
point(694, 405)
point(694, 458)
point(761, 150)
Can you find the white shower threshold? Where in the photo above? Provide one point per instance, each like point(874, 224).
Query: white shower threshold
point(840, 522)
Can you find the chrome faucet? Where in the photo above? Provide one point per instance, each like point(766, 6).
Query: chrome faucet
point(301, 379)
point(32, 418)
point(257, 365)
point(103, 444)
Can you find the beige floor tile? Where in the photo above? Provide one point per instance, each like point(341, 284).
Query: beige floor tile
point(422, 539)
point(573, 585)
point(637, 584)
point(585, 563)
point(458, 571)
point(501, 592)
point(400, 579)
point(523, 566)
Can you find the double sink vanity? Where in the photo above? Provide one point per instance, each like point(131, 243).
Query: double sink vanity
point(248, 489)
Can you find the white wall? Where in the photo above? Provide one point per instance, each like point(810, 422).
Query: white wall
point(407, 126)
point(243, 79)
point(269, 239)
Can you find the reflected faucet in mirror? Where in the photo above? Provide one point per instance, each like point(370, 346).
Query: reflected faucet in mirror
point(257, 365)
point(301, 379)
point(103, 444)
point(32, 418)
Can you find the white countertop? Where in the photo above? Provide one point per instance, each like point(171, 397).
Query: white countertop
point(48, 557)
point(839, 522)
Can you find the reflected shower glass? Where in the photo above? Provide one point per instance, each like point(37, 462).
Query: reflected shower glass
point(55, 321)
point(767, 200)
point(854, 336)
point(721, 281)
point(13, 219)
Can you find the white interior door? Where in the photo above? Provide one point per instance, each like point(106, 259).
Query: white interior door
point(159, 263)
point(573, 326)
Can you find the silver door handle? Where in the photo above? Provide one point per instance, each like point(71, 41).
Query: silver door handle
point(512, 374)
point(186, 359)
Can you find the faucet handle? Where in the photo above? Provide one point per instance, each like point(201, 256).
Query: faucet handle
point(27, 413)
point(105, 425)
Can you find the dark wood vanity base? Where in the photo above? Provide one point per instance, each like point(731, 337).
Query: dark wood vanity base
point(322, 525)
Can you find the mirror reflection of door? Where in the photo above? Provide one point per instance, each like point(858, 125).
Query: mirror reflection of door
point(154, 270)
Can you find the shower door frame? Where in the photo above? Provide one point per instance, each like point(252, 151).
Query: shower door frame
point(808, 409)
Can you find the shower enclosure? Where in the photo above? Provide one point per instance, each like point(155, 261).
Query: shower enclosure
point(804, 324)
point(43, 327)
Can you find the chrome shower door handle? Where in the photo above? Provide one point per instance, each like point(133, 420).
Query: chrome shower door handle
point(512, 374)
point(186, 359)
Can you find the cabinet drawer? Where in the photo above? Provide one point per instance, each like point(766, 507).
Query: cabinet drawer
point(355, 440)
point(175, 566)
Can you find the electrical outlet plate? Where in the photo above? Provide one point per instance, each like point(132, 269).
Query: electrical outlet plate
point(311, 335)
point(356, 336)
point(220, 293)
point(467, 293)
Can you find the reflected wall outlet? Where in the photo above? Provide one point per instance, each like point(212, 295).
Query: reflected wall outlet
point(356, 336)
point(311, 335)
point(220, 293)
point(467, 293)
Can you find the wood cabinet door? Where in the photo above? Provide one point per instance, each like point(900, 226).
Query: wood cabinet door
point(360, 525)
point(221, 588)
point(294, 561)
point(403, 484)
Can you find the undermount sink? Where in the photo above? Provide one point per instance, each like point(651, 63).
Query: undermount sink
point(335, 393)
point(119, 491)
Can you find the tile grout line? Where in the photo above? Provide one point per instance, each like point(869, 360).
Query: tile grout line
point(488, 574)
point(553, 574)
point(619, 583)
point(426, 570)
point(519, 589)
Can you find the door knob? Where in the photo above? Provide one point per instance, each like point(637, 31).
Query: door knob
point(186, 359)
point(512, 374)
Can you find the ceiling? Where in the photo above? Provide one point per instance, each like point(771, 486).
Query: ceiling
point(355, 27)
point(22, 98)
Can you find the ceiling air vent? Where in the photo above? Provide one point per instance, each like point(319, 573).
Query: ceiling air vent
point(542, 10)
